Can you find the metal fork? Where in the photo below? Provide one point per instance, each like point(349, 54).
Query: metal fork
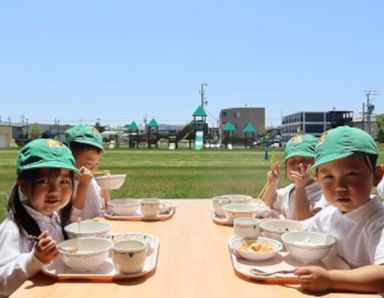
point(265, 273)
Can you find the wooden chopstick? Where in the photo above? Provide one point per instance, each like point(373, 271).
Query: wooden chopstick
point(263, 190)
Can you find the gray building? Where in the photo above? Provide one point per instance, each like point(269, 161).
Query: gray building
point(313, 123)
point(240, 117)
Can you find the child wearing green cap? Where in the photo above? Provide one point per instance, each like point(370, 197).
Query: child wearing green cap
point(346, 170)
point(295, 201)
point(86, 145)
point(44, 185)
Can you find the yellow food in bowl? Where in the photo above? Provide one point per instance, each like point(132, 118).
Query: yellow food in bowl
point(256, 246)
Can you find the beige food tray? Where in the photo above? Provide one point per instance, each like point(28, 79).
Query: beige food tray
point(106, 271)
point(164, 215)
point(222, 220)
point(282, 261)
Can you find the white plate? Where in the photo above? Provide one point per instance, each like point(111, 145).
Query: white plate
point(235, 244)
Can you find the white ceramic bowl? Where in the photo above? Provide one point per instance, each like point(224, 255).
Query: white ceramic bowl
point(129, 255)
point(110, 182)
point(253, 255)
point(124, 206)
point(84, 254)
point(275, 228)
point(88, 229)
point(308, 247)
point(246, 227)
point(233, 211)
point(219, 201)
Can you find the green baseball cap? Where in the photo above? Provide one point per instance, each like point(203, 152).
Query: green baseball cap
point(301, 145)
point(84, 134)
point(342, 142)
point(45, 153)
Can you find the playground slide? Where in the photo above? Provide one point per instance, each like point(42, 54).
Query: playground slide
point(185, 133)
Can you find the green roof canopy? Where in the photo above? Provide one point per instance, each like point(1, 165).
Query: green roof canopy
point(133, 126)
point(199, 112)
point(249, 128)
point(153, 123)
point(229, 126)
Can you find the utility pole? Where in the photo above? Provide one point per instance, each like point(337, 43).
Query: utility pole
point(202, 93)
point(370, 107)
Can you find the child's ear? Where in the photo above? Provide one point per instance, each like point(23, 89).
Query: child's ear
point(378, 175)
point(22, 186)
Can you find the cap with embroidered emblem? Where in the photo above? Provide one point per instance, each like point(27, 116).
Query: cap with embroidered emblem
point(301, 145)
point(45, 153)
point(84, 134)
point(341, 142)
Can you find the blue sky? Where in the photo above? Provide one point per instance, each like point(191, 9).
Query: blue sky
point(119, 61)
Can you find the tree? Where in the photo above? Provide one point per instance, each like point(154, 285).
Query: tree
point(34, 132)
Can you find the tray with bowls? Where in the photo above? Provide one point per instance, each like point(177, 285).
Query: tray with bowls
point(224, 211)
point(94, 259)
point(131, 210)
point(267, 262)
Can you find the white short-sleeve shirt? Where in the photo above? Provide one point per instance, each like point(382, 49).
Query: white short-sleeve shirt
point(359, 233)
point(380, 188)
point(285, 198)
point(94, 203)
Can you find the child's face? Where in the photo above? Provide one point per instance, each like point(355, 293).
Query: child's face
point(347, 182)
point(89, 159)
point(48, 193)
point(293, 164)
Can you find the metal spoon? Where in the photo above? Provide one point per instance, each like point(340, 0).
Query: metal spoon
point(33, 238)
point(265, 273)
point(70, 249)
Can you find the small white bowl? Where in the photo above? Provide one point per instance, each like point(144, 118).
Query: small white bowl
point(124, 206)
point(129, 255)
point(233, 211)
point(219, 201)
point(88, 229)
point(308, 247)
point(110, 182)
point(275, 228)
point(84, 254)
point(246, 227)
point(256, 255)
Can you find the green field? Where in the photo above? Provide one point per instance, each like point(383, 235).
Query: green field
point(171, 174)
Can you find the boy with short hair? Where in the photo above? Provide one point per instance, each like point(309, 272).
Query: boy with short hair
point(346, 169)
point(86, 145)
point(297, 200)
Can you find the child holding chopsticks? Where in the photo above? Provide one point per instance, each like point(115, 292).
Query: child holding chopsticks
point(28, 236)
point(297, 200)
point(86, 145)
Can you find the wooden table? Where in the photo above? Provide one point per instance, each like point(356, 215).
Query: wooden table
point(193, 262)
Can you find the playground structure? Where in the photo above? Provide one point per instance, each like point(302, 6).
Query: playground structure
point(195, 132)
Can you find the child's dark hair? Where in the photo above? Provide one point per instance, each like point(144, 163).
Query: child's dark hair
point(77, 148)
point(371, 160)
point(21, 217)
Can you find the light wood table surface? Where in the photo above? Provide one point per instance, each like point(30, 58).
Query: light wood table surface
point(193, 261)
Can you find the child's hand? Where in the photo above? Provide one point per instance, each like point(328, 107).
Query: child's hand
point(273, 174)
point(314, 279)
point(45, 249)
point(85, 175)
point(301, 178)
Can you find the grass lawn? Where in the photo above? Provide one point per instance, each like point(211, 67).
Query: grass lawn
point(171, 174)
